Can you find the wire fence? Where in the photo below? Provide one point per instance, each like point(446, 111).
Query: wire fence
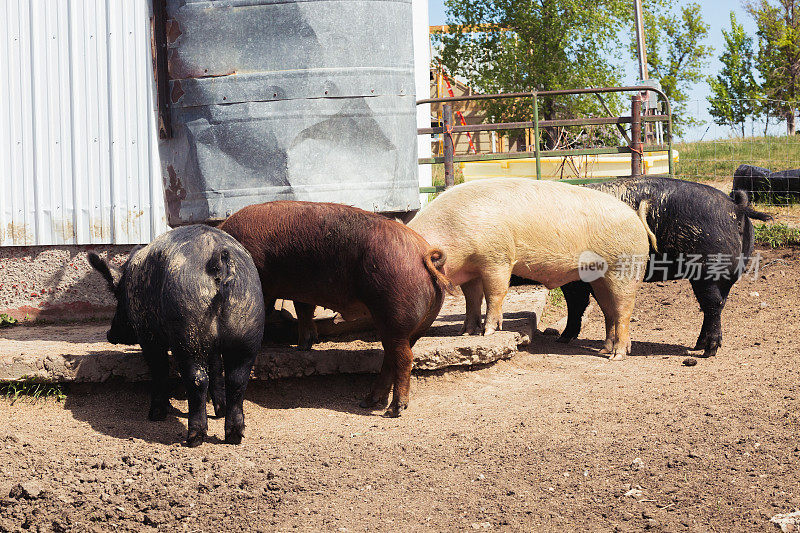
point(758, 156)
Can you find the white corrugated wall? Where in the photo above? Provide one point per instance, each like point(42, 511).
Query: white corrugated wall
point(78, 142)
point(422, 83)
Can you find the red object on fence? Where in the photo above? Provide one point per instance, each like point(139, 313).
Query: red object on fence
point(460, 116)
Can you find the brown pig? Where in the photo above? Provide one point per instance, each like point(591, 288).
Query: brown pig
point(349, 260)
point(546, 231)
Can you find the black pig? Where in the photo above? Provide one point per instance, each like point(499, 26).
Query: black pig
point(689, 220)
point(194, 291)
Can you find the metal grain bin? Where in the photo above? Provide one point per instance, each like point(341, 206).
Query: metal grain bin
point(274, 100)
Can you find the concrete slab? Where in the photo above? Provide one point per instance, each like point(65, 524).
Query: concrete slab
point(78, 352)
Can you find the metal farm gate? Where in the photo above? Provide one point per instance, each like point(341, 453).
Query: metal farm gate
point(635, 147)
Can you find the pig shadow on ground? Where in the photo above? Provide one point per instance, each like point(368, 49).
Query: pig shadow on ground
point(119, 410)
point(547, 344)
point(342, 392)
point(512, 321)
point(337, 392)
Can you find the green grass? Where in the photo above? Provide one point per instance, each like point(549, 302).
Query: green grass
point(718, 159)
point(555, 298)
point(438, 177)
point(777, 235)
point(7, 321)
point(713, 160)
point(32, 389)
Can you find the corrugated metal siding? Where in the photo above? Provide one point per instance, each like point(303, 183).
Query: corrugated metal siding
point(422, 62)
point(78, 143)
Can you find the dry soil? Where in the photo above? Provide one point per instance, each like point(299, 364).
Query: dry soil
point(556, 439)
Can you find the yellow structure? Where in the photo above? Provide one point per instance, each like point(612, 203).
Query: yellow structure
point(569, 167)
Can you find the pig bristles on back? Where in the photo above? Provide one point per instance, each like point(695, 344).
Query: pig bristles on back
point(102, 267)
point(435, 259)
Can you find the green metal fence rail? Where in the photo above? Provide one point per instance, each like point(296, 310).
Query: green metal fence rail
point(635, 145)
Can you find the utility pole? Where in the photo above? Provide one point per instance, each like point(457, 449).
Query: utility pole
point(640, 51)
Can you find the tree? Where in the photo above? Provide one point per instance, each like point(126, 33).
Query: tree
point(676, 54)
point(734, 91)
point(520, 46)
point(512, 46)
point(778, 58)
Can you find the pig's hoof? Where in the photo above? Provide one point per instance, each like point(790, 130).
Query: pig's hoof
point(371, 403)
point(305, 342)
point(367, 403)
point(567, 335)
point(701, 343)
point(195, 439)
point(470, 330)
point(617, 356)
point(709, 345)
point(157, 413)
point(219, 409)
point(608, 347)
point(710, 350)
point(234, 436)
point(394, 411)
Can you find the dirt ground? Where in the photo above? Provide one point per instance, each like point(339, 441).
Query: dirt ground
point(556, 439)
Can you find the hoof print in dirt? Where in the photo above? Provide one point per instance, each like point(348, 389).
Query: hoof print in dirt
point(689, 361)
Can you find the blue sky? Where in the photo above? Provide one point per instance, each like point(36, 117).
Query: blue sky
point(716, 15)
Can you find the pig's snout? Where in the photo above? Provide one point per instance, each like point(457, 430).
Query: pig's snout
point(120, 338)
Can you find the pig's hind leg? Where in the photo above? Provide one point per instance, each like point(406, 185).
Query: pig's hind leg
point(379, 394)
point(711, 295)
point(473, 294)
point(238, 359)
point(216, 384)
point(307, 330)
point(194, 371)
point(495, 288)
point(399, 352)
point(576, 294)
point(158, 364)
point(616, 299)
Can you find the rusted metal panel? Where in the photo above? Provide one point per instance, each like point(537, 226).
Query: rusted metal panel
point(307, 100)
point(78, 142)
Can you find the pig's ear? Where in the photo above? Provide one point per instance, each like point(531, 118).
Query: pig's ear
point(102, 267)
